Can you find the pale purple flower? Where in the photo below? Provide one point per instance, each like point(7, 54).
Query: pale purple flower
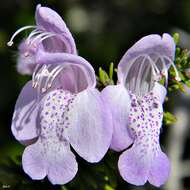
point(62, 108)
point(136, 106)
point(50, 33)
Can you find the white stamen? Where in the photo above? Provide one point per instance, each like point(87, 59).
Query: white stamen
point(53, 75)
point(34, 74)
point(39, 36)
point(155, 66)
point(175, 68)
point(10, 43)
point(43, 74)
point(33, 33)
point(155, 70)
point(26, 54)
point(138, 80)
point(48, 36)
point(164, 72)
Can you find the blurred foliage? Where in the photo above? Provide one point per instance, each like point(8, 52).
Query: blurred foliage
point(182, 62)
point(169, 118)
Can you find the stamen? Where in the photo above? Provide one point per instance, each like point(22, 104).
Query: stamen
point(10, 43)
point(132, 62)
point(155, 70)
point(44, 74)
point(175, 68)
point(48, 36)
point(134, 83)
point(138, 80)
point(39, 36)
point(164, 71)
point(34, 74)
point(33, 33)
point(155, 66)
point(53, 75)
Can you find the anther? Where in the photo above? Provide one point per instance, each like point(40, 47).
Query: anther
point(44, 90)
point(26, 54)
point(10, 43)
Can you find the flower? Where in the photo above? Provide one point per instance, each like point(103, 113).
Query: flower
point(62, 108)
point(50, 34)
point(136, 106)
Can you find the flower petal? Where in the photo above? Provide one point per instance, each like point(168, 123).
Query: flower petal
point(25, 64)
point(145, 160)
point(160, 91)
point(132, 167)
point(159, 170)
point(50, 21)
point(152, 45)
point(81, 72)
point(118, 101)
point(24, 123)
point(51, 154)
point(56, 162)
point(91, 127)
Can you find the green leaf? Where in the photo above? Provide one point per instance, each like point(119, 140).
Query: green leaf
point(176, 38)
point(169, 118)
point(101, 75)
point(107, 187)
point(111, 71)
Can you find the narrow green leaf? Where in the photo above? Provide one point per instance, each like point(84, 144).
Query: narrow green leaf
point(111, 71)
point(101, 75)
point(176, 38)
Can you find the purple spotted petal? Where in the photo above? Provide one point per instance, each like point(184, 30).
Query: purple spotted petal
point(49, 21)
point(24, 123)
point(51, 156)
point(152, 48)
point(90, 129)
point(76, 74)
point(119, 104)
point(145, 160)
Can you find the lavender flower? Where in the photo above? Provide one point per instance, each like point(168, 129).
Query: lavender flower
point(50, 34)
point(136, 105)
point(62, 108)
